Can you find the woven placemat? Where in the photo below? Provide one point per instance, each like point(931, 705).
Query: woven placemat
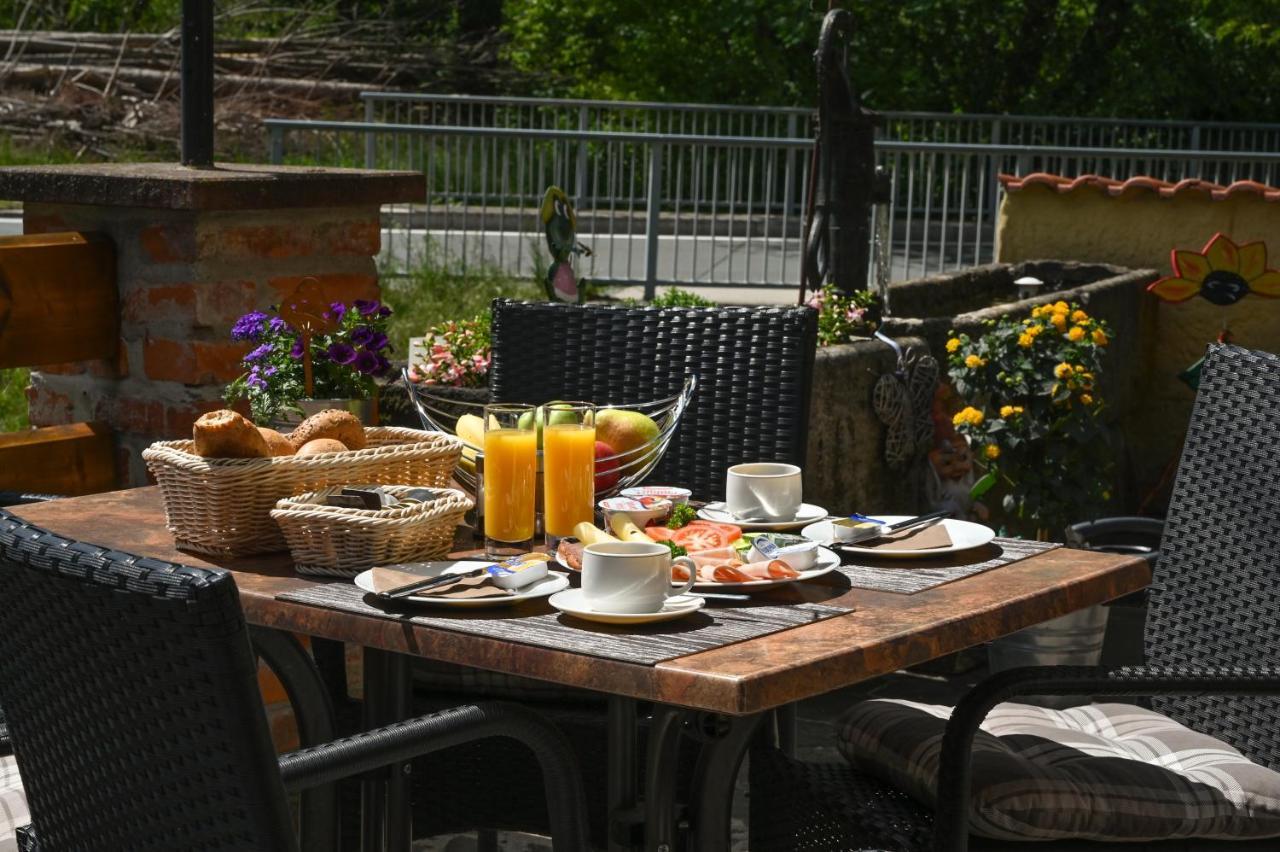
point(908, 576)
point(537, 623)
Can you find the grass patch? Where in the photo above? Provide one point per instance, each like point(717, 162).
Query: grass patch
point(13, 399)
point(433, 294)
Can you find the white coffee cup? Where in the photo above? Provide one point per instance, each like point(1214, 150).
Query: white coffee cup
point(764, 490)
point(631, 576)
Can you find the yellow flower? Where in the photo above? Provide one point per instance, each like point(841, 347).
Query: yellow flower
point(953, 344)
point(1036, 313)
point(1025, 340)
point(1062, 371)
point(1079, 316)
point(992, 452)
point(1100, 337)
point(1076, 334)
point(1006, 411)
point(1035, 329)
point(1085, 399)
point(1061, 308)
point(1060, 322)
point(969, 416)
point(973, 362)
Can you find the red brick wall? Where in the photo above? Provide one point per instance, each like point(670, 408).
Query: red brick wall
point(184, 277)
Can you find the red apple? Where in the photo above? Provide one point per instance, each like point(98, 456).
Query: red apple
point(606, 471)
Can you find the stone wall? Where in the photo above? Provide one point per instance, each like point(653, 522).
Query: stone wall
point(191, 257)
point(1138, 223)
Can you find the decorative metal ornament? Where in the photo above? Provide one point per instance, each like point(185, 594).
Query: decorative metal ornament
point(560, 224)
point(1221, 272)
point(903, 401)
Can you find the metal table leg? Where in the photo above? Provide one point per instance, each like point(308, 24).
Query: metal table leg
point(661, 770)
point(714, 778)
point(313, 711)
point(624, 815)
point(384, 795)
point(785, 720)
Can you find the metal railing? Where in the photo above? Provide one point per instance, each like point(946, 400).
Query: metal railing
point(701, 209)
point(776, 121)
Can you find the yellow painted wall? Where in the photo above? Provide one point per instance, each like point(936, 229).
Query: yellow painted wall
point(1139, 229)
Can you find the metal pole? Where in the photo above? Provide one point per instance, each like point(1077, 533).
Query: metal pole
point(651, 223)
point(197, 83)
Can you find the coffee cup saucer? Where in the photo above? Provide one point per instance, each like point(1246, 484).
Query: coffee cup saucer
point(574, 602)
point(719, 513)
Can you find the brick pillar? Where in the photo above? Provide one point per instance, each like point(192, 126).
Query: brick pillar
point(195, 249)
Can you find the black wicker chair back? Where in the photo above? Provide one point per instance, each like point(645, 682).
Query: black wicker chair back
point(130, 690)
point(1215, 600)
point(754, 368)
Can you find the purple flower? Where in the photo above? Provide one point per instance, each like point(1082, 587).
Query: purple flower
point(384, 312)
point(296, 351)
point(366, 307)
point(277, 325)
point(366, 362)
point(256, 381)
point(341, 353)
point(249, 326)
point(270, 371)
point(258, 354)
point(384, 367)
point(362, 335)
point(337, 309)
point(378, 342)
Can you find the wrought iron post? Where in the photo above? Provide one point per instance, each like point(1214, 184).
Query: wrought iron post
point(838, 226)
point(197, 83)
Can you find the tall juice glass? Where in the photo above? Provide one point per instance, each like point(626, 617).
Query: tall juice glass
point(568, 467)
point(510, 478)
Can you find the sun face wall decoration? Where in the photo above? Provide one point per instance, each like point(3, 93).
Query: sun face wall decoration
point(1221, 272)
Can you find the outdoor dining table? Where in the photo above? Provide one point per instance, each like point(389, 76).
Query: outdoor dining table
point(855, 634)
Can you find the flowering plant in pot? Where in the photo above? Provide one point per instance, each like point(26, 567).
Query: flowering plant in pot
point(456, 354)
point(1032, 415)
point(347, 358)
point(841, 317)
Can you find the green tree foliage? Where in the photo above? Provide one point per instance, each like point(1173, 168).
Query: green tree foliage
point(1199, 59)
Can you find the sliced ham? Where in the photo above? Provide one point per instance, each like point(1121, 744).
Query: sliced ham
point(723, 565)
point(772, 569)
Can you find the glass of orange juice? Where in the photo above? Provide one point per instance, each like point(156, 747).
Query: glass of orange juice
point(568, 467)
point(510, 478)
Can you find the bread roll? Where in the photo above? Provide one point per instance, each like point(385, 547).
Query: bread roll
point(227, 435)
point(321, 445)
point(332, 423)
point(277, 443)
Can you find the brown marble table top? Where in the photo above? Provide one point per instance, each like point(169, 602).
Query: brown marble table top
point(883, 633)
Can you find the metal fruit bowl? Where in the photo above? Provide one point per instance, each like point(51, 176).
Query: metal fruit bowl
point(439, 413)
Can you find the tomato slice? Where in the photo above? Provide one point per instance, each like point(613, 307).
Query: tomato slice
point(730, 529)
point(698, 536)
point(659, 532)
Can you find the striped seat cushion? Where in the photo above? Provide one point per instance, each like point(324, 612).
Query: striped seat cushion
point(13, 804)
point(1107, 772)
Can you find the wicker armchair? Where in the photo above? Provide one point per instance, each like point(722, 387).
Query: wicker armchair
point(131, 694)
point(1211, 637)
point(754, 368)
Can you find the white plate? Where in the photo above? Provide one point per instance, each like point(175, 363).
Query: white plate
point(718, 513)
point(573, 602)
point(555, 581)
point(965, 535)
point(828, 561)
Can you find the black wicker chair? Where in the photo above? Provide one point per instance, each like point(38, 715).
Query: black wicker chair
point(131, 695)
point(754, 368)
point(1212, 637)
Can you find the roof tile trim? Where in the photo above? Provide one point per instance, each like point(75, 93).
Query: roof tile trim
point(1164, 189)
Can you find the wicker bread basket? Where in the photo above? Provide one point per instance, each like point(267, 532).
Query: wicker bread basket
point(334, 542)
point(223, 506)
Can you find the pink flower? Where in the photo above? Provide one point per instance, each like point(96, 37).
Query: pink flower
point(414, 375)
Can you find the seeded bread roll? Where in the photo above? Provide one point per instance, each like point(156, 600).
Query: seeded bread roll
point(332, 423)
point(277, 443)
point(321, 445)
point(227, 435)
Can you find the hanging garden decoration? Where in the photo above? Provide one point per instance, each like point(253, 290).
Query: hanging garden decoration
point(1222, 272)
point(560, 224)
